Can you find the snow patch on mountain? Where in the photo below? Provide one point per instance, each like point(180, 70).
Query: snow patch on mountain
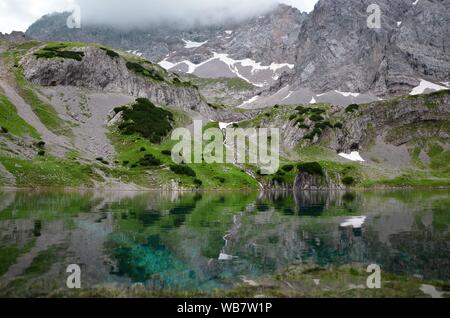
point(135, 52)
point(237, 67)
point(248, 102)
point(424, 86)
point(347, 94)
point(192, 44)
point(353, 156)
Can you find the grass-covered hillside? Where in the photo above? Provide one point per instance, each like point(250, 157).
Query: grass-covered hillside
point(110, 126)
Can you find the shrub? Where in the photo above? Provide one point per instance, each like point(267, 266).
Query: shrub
point(220, 179)
point(110, 53)
point(348, 181)
point(316, 117)
point(41, 153)
point(317, 111)
point(351, 108)
point(323, 125)
point(338, 125)
point(311, 168)
point(139, 69)
point(302, 110)
point(198, 182)
point(55, 51)
point(125, 162)
point(149, 161)
point(300, 121)
point(278, 179)
point(287, 168)
point(292, 117)
point(143, 149)
point(303, 126)
point(183, 170)
point(100, 159)
point(4, 130)
point(167, 152)
point(40, 144)
point(317, 131)
point(146, 119)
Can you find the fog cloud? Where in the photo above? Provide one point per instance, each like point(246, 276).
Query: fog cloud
point(134, 13)
point(19, 14)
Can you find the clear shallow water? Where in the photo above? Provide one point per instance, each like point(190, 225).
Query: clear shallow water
point(202, 241)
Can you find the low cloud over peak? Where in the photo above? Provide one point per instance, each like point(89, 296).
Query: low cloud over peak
point(135, 13)
point(19, 14)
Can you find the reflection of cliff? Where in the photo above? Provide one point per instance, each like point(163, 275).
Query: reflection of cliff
point(314, 203)
point(392, 235)
point(169, 241)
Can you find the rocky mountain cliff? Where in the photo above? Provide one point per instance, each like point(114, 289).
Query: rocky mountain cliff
point(330, 49)
point(101, 69)
point(344, 54)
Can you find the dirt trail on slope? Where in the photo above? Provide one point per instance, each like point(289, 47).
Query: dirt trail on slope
point(52, 235)
point(58, 144)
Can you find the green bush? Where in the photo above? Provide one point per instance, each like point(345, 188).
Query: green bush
point(40, 144)
point(183, 170)
point(348, 181)
point(110, 53)
point(125, 162)
point(338, 125)
point(311, 168)
point(300, 121)
point(316, 117)
point(139, 69)
point(292, 117)
point(55, 51)
point(324, 125)
point(220, 179)
point(145, 118)
point(316, 132)
point(143, 149)
point(149, 161)
point(317, 111)
point(280, 173)
point(352, 108)
point(198, 182)
point(4, 130)
point(302, 110)
point(41, 153)
point(287, 168)
point(167, 152)
point(100, 159)
point(278, 179)
point(303, 126)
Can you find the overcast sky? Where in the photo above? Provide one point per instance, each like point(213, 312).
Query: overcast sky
point(19, 14)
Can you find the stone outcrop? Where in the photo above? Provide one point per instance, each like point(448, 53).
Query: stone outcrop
point(332, 48)
point(376, 119)
point(309, 181)
point(97, 71)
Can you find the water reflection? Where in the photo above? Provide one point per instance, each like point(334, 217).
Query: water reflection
point(201, 241)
